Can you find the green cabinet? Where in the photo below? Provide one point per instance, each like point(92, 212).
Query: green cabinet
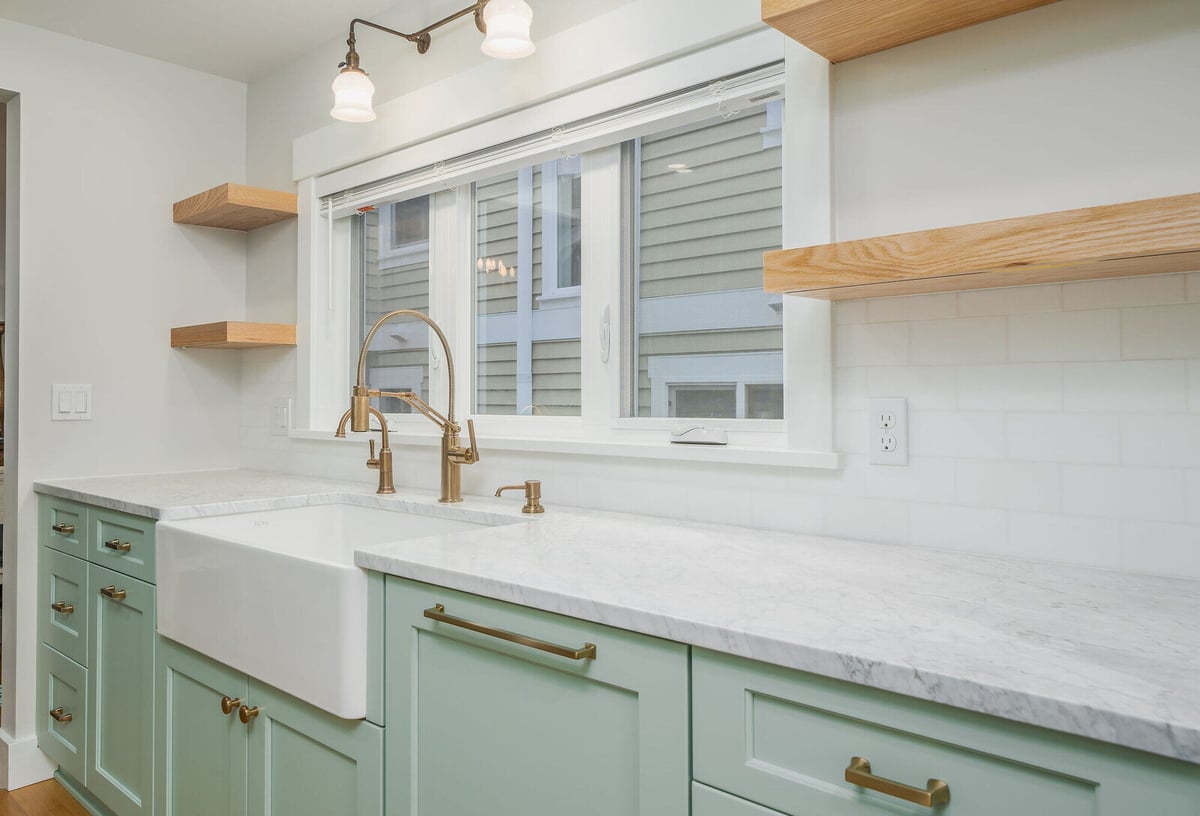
point(270, 755)
point(784, 739)
point(96, 661)
point(483, 720)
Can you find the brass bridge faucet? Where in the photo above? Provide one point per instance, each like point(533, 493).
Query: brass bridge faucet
point(454, 456)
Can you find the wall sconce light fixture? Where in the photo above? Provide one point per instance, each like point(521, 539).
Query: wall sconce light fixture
point(504, 23)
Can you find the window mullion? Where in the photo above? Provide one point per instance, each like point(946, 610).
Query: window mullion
point(600, 298)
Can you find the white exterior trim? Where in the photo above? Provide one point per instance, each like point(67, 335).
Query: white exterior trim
point(736, 369)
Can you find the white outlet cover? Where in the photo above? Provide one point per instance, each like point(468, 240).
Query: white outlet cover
point(887, 431)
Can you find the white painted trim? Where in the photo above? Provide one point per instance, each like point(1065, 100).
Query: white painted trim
point(738, 370)
point(547, 324)
point(707, 311)
point(524, 323)
point(22, 762)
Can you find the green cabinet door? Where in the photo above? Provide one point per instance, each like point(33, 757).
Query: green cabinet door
point(121, 692)
point(200, 750)
point(479, 725)
point(306, 762)
point(62, 711)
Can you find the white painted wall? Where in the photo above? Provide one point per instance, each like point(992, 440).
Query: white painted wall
point(1057, 422)
point(107, 141)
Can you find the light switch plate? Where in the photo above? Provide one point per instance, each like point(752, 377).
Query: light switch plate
point(70, 402)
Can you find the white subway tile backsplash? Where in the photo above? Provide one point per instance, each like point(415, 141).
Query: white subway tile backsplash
point(1010, 300)
point(1161, 440)
point(1053, 537)
point(850, 432)
point(1126, 387)
point(776, 510)
point(1009, 485)
point(1060, 336)
point(1194, 385)
point(959, 341)
point(1141, 290)
point(970, 434)
point(1161, 548)
point(925, 387)
point(1078, 438)
point(923, 479)
point(850, 389)
point(849, 311)
point(1125, 492)
point(1015, 387)
point(912, 307)
point(974, 529)
point(1161, 332)
point(871, 344)
point(1193, 496)
point(881, 520)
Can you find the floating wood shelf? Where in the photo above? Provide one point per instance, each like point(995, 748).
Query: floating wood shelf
point(230, 335)
point(236, 207)
point(841, 30)
point(1147, 237)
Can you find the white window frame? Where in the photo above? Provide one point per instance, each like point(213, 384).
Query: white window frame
point(804, 438)
point(739, 370)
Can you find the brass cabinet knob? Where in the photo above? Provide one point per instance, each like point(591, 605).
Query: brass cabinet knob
point(111, 591)
point(62, 608)
point(118, 545)
point(58, 716)
point(62, 528)
point(229, 704)
point(247, 714)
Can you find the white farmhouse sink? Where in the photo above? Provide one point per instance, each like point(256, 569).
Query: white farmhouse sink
point(276, 594)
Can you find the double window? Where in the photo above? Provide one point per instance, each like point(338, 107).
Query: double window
point(680, 215)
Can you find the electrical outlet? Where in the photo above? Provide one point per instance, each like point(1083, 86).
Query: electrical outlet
point(887, 431)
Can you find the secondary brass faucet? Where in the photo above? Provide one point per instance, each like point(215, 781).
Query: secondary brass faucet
point(453, 457)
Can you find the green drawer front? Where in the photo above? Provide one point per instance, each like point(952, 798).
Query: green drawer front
point(62, 524)
point(62, 684)
point(708, 801)
point(123, 543)
point(63, 603)
point(785, 738)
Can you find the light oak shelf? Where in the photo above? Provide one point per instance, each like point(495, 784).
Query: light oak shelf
point(231, 335)
point(236, 207)
point(1147, 237)
point(841, 30)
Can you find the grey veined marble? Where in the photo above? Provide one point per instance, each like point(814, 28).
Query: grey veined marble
point(1106, 655)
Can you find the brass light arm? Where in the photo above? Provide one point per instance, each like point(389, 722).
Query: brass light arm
point(422, 39)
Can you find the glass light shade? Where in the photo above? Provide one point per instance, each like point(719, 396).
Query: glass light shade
point(352, 92)
point(507, 29)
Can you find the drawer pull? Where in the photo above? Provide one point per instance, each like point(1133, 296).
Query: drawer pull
point(588, 650)
point(58, 716)
point(111, 591)
point(247, 714)
point(62, 608)
point(229, 704)
point(936, 792)
point(62, 528)
point(115, 544)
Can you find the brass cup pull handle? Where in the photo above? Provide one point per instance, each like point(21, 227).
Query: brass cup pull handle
point(587, 651)
point(62, 528)
point(247, 714)
point(118, 545)
point(62, 607)
point(58, 716)
point(111, 591)
point(936, 792)
point(229, 704)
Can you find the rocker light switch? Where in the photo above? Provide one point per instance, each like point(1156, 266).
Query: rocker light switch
point(70, 402)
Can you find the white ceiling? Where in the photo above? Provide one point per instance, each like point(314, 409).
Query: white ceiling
point(239, 39)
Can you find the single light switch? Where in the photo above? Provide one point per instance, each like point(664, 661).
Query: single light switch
point(70, 402)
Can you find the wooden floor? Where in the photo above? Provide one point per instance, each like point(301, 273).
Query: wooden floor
point(43, 799)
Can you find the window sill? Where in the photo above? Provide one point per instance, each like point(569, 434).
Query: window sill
point(660, 451)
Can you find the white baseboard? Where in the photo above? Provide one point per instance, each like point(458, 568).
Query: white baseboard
point(22, 762)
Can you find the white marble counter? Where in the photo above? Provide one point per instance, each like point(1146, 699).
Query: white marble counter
point(1105, 655)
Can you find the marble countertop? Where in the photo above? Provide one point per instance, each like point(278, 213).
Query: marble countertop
point(1106, 655)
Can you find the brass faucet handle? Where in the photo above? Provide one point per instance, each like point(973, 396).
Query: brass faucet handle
point(372, 460)
point(533, 495)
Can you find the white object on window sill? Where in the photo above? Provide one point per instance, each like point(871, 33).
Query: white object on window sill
point(724, 454)
point(560, 299)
